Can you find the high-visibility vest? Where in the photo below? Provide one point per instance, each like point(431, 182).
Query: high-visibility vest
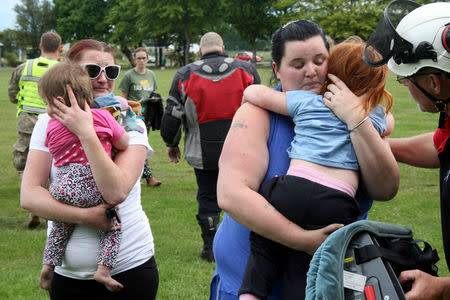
point(28, 98)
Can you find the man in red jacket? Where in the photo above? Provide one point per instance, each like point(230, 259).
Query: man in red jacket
point(203, 99)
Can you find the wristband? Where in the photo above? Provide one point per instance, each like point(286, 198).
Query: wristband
point(359, 124)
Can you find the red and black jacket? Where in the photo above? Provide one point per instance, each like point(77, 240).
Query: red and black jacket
point(203, 99)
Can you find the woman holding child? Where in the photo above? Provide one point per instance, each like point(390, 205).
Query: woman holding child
point(255, 150)
point(118, 182)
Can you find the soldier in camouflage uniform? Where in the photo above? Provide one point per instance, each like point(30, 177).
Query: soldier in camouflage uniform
point(23, 91)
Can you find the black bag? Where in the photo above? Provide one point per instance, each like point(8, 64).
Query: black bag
point(153, 111)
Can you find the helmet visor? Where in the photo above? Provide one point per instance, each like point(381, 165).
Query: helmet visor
point(385, 42)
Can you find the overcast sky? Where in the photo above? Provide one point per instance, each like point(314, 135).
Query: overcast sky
point(7, 14)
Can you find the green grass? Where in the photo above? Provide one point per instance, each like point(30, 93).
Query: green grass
point(171, 208)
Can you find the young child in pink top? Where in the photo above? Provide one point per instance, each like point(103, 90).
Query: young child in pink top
point(74, 183)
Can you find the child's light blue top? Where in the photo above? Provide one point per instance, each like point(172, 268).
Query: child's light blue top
point(320, 137)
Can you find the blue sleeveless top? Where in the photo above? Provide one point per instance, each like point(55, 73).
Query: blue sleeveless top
point(231, 242)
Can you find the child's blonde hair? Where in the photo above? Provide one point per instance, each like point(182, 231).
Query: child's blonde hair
point(346, 62)
point(54, 81)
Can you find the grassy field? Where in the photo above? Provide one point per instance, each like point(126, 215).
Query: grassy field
point(171, 207)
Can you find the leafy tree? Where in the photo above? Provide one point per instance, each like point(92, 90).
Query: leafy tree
point(8, 50)
point(253, 19)
point(160, 41)
point(34, 17)
point(286, 10)
point(126, 33)
point(133, 27)
point(181, 21)
point(82, 19)
point(342, 18)
point(233, 41)
point(8, 37)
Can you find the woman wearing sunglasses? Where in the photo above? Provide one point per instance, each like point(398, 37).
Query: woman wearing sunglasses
point(118, 182)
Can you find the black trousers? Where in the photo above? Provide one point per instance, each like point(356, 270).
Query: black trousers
point(309, 205)
point(139, 283)
point(207, 191)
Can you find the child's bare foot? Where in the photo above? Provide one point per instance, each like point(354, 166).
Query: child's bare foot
point(45, 279)
point(103, 275)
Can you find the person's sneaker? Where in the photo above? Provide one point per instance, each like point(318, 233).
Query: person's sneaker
point(33, 221)
point(153, 182)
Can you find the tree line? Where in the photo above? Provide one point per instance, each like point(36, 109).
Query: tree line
point(132, 23)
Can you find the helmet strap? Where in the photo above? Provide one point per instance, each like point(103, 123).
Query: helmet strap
point(441, 105)
point(404, 53)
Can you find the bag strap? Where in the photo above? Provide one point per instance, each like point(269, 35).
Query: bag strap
point(405, 253)
point(369, 252)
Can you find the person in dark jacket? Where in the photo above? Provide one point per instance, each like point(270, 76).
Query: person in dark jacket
point(203, 98)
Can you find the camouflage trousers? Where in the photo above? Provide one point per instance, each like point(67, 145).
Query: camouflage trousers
point(25, 125)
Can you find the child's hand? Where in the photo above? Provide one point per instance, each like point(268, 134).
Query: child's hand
point(122, 143)
point(391, 125)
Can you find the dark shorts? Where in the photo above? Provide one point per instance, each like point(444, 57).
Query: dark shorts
point(309, 204)
point(139, 283)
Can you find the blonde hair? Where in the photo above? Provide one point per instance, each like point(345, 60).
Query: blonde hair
point(54, 81)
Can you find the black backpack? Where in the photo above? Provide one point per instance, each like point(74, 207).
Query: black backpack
point(363, 261)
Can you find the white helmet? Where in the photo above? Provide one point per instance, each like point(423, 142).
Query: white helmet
point(421, 38)
point(426, 25)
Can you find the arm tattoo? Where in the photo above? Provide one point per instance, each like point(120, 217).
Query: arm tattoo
point(238, 124)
